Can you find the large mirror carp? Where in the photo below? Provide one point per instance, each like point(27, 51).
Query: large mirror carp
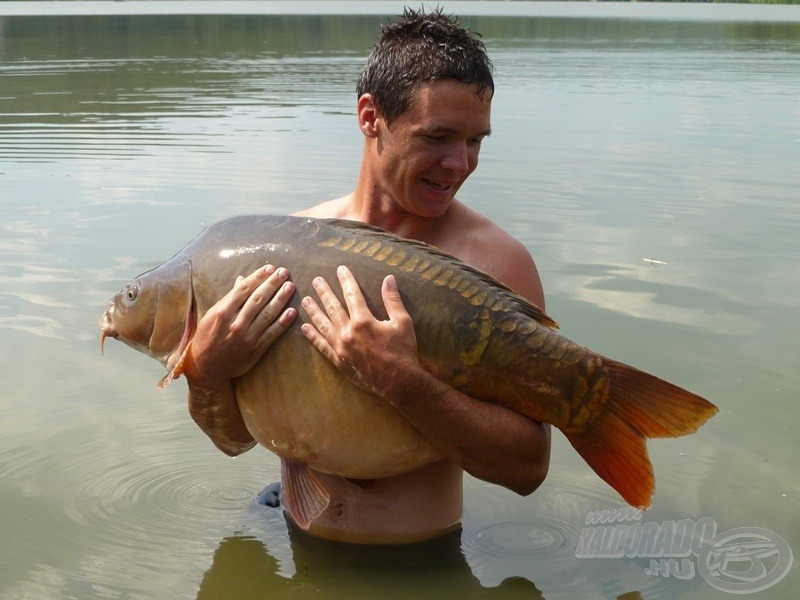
point(472, 332)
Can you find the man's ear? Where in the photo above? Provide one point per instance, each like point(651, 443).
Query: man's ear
point(368, 115)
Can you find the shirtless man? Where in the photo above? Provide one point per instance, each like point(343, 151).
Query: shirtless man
point(424, 100)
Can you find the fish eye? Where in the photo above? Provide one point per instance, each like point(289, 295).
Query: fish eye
point(131, 293)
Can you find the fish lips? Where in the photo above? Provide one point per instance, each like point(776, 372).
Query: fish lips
point(107, 329)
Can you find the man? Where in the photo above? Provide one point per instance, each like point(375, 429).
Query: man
point(424, 99)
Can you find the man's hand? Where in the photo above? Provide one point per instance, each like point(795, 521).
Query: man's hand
point(230, 339)
point(234, 334)
point(489, 441)
point(370, 352)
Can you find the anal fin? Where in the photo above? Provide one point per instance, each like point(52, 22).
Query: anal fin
point(303, 495)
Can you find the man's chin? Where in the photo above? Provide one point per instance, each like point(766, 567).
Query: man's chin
point(434, 202)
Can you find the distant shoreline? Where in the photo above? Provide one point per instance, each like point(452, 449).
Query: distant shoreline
point(735, 10)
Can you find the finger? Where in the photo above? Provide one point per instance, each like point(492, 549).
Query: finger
point(336, 313)
point(391, 297)
point(395, 307)
point(244, 286)
point(318, 341)
point(265, 299)
point(277, 327)
point(353, 296)
point(275, 308)
point(319, 319)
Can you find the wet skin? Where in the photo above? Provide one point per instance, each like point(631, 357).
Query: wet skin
point(410, 173)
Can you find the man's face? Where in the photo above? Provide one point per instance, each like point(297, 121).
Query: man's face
point(431, 148)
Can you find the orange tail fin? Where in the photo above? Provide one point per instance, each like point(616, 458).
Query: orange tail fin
point(640, 406)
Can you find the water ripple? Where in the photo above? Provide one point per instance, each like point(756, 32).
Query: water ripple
point(536, 538)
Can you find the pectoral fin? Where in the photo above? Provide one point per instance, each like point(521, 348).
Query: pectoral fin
point(303, 494)
point(178, 369)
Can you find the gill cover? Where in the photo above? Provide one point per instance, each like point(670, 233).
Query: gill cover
point(175, 361)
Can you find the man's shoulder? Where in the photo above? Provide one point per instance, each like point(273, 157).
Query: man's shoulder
point(332, 209)
point(481, 233)
point(490, 248)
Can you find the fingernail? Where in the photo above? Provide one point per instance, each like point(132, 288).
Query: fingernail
point(391, 283)
point(268, 268)
point(282, 272)
point(306, 302)
point(238, 279)
point(317, 281)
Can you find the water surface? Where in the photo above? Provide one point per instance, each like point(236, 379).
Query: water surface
point(649, 164)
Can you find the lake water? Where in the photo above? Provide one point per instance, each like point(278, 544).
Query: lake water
point(648, 156)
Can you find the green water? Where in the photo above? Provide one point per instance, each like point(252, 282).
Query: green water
point(649, 164)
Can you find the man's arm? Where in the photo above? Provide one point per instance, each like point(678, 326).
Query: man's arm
point(488, 441)
point(230, 339)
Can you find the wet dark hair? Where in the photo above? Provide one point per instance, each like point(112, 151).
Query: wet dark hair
point(422, 47)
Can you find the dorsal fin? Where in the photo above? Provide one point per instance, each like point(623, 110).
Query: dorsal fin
point(522, 304)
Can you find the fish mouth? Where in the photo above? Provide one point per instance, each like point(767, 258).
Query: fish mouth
point(107, 330)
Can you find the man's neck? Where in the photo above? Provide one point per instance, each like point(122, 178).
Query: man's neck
point(373, 207)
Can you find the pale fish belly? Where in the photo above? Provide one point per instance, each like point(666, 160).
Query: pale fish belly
point(296, 404)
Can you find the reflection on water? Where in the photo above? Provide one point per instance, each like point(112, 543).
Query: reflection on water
point(282, 558)
point(614, 141)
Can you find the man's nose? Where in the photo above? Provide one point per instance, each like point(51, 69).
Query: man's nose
point(457, 159)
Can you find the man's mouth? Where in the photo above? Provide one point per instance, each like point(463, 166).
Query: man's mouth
point(438, 186)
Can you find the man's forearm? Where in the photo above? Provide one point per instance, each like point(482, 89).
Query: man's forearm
point(488, 441)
